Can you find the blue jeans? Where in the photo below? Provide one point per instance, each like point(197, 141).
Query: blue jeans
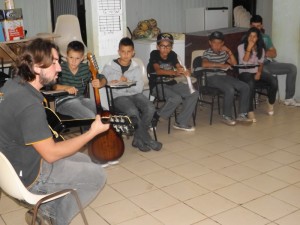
point(141, 110)
point(228, 85)
point(272, 68)
point(76, 172)
point(175, 95)
point(78, 108)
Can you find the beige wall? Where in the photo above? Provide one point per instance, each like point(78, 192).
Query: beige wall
point(286, 34)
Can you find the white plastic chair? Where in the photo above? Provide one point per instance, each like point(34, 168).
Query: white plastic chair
point(144, 72)
point(13, 186)
point(68, 29)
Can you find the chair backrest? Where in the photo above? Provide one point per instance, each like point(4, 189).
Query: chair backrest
point(195, 54)
point(68, 29)
point(144, 72)
point(11, 184)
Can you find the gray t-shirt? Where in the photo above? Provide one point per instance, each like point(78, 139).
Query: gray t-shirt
point(23, 122)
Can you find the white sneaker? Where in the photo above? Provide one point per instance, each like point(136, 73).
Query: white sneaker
point(291, 102)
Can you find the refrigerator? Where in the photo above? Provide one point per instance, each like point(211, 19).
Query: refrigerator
point(199, 19)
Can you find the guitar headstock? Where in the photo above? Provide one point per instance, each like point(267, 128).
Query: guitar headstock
point(122, 124)
point(93, 63)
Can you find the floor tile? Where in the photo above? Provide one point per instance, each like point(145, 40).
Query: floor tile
point(270, 207)
point(92, 217)
point(291, 219)
point(238, 155)
point(132, 187)
point(286, 173)
point(194, 153)
point(170, 160)
point(210, 204)
point(259, 149)
point(239, 193)
point(118, 174)
point(239, 216)
point(190, 170)
point(142, 220)
point(265, 183)
point(289, 194)
point(184, 190)
point(153, 200)
point(125, 210)
point(106, 196)
point(283, 157)
point(213, 181)
point(163, 178)
point(215, 162)
point(143, 167)
point(239, 172)
point(207, 222)
point(262, 164)
point(179, 214)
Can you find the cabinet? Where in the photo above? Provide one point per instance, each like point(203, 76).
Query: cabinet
point(143, 48)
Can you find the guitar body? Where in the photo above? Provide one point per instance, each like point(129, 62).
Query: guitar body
point(107, 146)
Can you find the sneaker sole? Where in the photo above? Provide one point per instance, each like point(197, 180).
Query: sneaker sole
point(180, 128)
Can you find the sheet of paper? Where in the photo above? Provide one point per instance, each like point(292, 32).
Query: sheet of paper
point(110, 26)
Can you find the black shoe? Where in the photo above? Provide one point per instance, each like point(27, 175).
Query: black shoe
point(155, 119)
point(142, 147)
point(155, 145)
point(40, 219)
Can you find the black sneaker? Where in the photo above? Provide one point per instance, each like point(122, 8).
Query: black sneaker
point(40, 219)
point(142, 147)
point(155, 145)
point(183, 127)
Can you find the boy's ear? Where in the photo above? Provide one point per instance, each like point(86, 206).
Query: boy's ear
point(157, 47)
point(37, 69)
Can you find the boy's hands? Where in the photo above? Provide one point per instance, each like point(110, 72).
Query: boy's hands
point(96, 83)
point(72, 90)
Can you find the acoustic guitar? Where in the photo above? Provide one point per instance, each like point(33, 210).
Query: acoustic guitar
point(107, 146)
point(122, 124)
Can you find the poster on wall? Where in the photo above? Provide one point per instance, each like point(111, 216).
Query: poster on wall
point(110, 26)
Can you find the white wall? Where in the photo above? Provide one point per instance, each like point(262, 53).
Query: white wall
point(36, 15)
point(170, 14)
point(286, 34)
point(265, 9)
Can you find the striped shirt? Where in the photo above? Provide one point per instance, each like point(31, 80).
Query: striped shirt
point(80, 80)
point(220, 57)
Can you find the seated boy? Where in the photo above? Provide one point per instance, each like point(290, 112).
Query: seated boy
point(164, 61)
point(131, 100)
point(218, 56)
point(74, 78)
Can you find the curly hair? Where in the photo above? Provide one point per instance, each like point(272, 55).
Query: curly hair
point(260, 45)
point(38, 52)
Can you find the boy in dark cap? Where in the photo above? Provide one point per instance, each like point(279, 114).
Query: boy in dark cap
point(218, 56)
point(164, 61)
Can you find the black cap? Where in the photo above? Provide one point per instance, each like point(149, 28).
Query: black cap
point(165, 37)
point(216, 35)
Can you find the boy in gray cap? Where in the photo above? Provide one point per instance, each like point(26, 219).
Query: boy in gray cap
point(219, 57)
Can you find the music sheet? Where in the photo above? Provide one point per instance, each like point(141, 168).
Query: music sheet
point(110, 26)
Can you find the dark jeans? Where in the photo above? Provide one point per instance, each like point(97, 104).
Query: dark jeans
point(269, 79)
point(289, 69)
point(228, 85)
point(141, 109)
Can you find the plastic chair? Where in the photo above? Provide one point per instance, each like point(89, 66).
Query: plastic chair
point(68, 29)
point(11, 184)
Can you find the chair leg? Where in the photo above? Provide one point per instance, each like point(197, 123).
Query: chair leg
point(72, 192)
point(169, 125)
point(212, 109)
point(234, 109)
point(154, 132)
point(219, 111)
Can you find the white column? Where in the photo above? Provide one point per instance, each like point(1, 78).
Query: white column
point(286, 35)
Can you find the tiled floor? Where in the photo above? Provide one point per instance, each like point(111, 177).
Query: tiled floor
point(242, 175)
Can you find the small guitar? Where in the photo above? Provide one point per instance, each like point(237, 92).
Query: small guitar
point(121, 124)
